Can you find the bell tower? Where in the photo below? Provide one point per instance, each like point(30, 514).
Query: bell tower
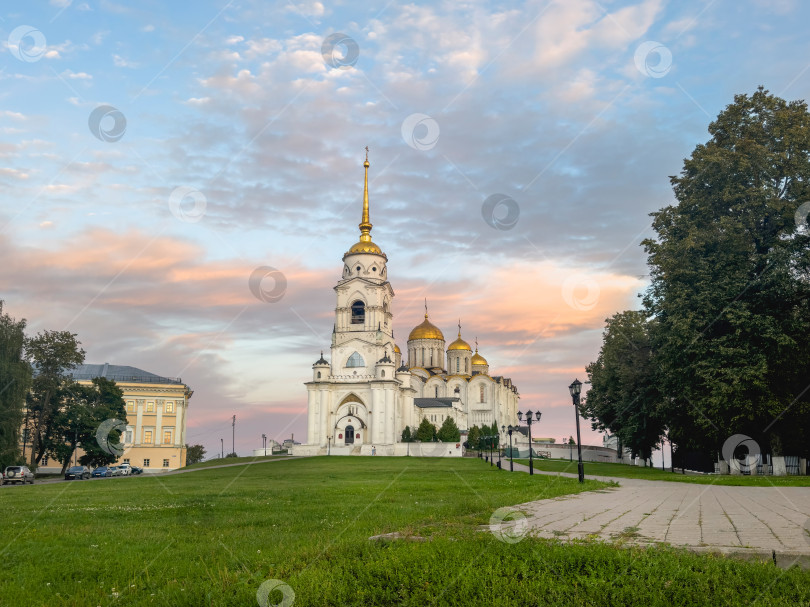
point(363, 330)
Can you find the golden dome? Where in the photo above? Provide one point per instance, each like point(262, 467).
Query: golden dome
point(426, 330)
point(477, 359)
point(459, 344)
point(365, 247)
point(397, 350)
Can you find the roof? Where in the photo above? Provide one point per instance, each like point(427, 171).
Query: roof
point(426, 403)
point(120, 373)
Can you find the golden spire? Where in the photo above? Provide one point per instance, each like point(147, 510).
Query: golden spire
point(426, 308)
point(365, 223)
point(459, 328)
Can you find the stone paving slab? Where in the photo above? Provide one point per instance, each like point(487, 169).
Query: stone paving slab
point(770, 522)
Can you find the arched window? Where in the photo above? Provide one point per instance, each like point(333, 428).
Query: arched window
point(319, 374)
point(383, 373)
point(466, 366)
point(431, 357)
point(358, 313)
point(423, 357)
point(457, 363)
point(481, 396)
point(437, 391)
point(355, 360)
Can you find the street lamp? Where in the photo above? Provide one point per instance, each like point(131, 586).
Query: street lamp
point(328, 444)
point(529, 420)
point(575, 388)
point(509, 431)
point(264, 440)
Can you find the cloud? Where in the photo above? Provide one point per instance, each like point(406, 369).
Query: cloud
point(119, 61)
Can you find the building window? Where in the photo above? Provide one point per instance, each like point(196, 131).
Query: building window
point(150, 407)
point(44, 460)
point(170, 406)
point(167, 437)
point(437, 391)
point(383, 373)
point(355, 360)
point(165, 463)
point(146, 462)
point(458, 362)
point(466, 366)
point(481, 396)
point(147, 437)
point(431, 357)
point(126, 460)
point(319, 374)
point(128, 437)
point(423, 357)
point(358, 313)
point(130, 406)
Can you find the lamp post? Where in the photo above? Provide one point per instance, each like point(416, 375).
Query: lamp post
point(222, 442)
point(529, 420)
point(575, 388)
point(328, 444)
point(264, 440)
point(509, 431)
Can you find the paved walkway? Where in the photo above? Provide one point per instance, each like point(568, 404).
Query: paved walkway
point(754, 521)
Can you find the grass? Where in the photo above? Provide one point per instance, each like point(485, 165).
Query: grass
point(214, 537)
point(656, 474)
point(224, 461)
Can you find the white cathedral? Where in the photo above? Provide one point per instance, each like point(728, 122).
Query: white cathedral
point(361, 400)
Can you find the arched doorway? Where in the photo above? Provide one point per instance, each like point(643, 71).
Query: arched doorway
point(349, 435)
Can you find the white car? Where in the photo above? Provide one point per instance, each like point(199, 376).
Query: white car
point(126, 469)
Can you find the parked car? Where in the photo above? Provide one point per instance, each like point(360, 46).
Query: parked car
point(116, 471)
point(126, 469)
point(137, 470)
point(77, 472)
point(102, 471)
point(17, 474)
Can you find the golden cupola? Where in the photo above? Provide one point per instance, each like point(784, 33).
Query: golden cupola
point(365, 245)
point(477, 359)
point(426, 330)
point(459, 344)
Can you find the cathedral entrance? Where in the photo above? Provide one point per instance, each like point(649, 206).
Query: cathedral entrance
point(349, 435)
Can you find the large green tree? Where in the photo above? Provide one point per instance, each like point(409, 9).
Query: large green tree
point(52, 354)
point(426, 431)
point(449, 432)
point(730, 288)
point(473, 437)
point(15, 381)
point(623, 398)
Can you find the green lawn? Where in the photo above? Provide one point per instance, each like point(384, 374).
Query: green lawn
point(213, 537)
point(224, 461)
point(656, 474)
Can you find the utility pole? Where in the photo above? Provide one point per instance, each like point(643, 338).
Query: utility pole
point(233, 437)
point(222, 443)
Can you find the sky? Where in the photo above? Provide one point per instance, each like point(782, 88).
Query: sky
point(157, 160)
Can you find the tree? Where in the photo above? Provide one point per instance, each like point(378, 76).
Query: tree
point(473, 437)
point(406, 435)
point(730, 281)
point(426, 431)
point(52, 354)
point(449, 432)
point(106, 416)
point(194, 454)
point(624, 398)
point(15, 381)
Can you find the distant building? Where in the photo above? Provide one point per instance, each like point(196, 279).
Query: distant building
point(157, 411)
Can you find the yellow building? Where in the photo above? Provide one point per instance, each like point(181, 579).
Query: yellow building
point(157, 409)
